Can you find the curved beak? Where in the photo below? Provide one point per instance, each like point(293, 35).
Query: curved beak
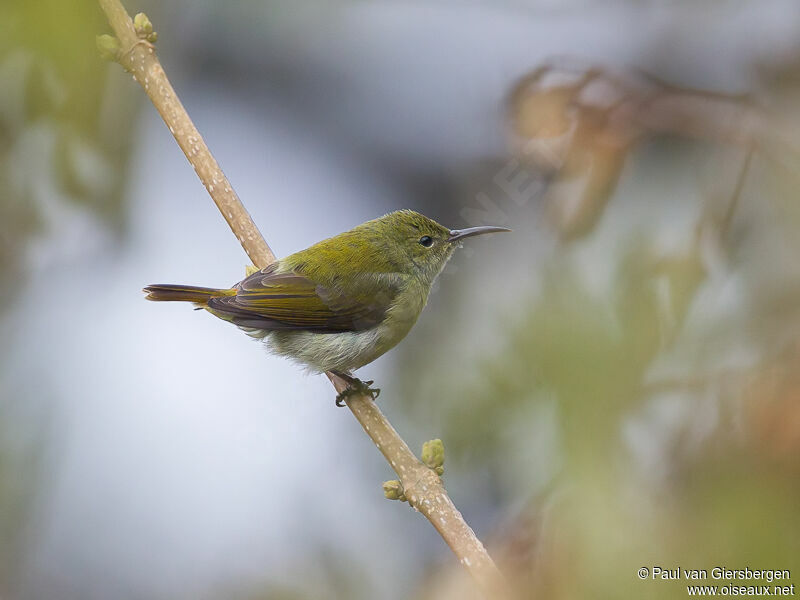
point(460, 234)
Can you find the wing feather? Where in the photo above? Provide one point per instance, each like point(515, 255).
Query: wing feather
point(292, 301)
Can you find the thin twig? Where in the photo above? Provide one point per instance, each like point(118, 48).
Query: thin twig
point(422, 487)
point(727, 218)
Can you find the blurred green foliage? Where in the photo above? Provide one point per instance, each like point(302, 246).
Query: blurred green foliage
point(62, 130)
point(60, 139)
point(635, 429)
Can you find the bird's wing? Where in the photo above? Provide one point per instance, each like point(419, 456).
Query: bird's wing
point(291, 301)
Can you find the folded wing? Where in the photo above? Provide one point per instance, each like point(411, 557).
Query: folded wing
point(291, 301)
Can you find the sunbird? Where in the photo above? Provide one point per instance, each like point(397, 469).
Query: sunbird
point(343, 302)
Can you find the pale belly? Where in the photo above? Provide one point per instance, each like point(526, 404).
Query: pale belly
point(344, 351)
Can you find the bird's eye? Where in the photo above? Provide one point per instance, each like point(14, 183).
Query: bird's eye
point(426, 241)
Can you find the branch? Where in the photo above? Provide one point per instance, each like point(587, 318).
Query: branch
point(138, 56)
point(422, 487)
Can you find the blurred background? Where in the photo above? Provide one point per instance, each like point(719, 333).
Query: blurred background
point(617, 384)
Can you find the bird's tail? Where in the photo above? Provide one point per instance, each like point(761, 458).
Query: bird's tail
point(184, 293)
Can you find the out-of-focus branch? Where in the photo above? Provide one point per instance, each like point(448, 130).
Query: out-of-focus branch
point(422, 487)
point(581, 123)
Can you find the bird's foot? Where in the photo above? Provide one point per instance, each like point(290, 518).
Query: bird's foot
point(355, 387)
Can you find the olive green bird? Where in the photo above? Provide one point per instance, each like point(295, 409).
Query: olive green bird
point(343, 302)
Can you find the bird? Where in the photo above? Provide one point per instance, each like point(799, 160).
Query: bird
point(343, 302)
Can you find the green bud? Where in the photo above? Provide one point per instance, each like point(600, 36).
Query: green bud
point(393, 490)
point(152, 38)
point(108, 46)
point(433, 455)
point(142, 25)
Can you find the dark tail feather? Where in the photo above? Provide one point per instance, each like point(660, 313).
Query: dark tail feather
point(184, 293)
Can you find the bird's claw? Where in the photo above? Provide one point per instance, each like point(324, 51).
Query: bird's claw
point(356, 387)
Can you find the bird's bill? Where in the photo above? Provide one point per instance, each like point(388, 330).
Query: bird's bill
point(460, 234)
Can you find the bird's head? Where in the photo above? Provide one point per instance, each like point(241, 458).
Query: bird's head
point(422, 243)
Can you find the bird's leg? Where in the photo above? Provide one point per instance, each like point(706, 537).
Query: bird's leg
point(355, 387)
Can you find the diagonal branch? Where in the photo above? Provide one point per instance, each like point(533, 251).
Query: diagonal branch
point(422, 487)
